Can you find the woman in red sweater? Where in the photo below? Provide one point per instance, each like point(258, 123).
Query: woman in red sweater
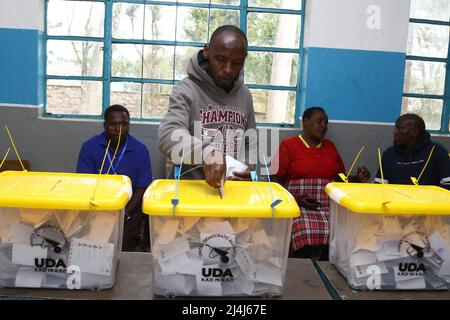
point(304, 166)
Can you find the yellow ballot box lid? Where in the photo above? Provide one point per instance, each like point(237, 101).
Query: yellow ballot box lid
point(66, 191)
point(241, 199)
point(390, 198)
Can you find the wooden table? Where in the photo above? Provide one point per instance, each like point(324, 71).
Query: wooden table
point(134, 282)
point(343, 291)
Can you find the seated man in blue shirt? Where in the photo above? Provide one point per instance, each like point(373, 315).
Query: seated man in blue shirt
point(409, 155)
point(133, 160)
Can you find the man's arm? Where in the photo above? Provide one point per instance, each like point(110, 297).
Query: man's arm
point(134, 205)
point(174, 137)
point(444, 166)
point(86, 163)
point(173, 133)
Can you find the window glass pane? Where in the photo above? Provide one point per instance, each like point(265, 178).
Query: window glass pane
point(428, 40)
point(282, 4)
point(75, 18)
point(127, 21)
point(74, 97)
point(222, 17)
point(156, 100)
point(158, 62)
point(160, 22)
point(126, 60)
point(226, 2)
point(273, 30)
point(269, 68)
point(429, 109)
point(430, 9)
point(424, 77)
point(192, 24)
point(74, 58)
point(127, 94)
point(274, 105)
point(183, 54)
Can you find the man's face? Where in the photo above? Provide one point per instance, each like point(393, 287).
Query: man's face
point(404, 132)
point(226, 58)
point(112, 126)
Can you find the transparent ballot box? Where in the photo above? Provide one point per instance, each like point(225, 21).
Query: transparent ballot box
point(205, 245)
point(390, 237)
point(61, 230)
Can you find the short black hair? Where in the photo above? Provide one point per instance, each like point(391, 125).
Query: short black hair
point(116, 108)
point(418, 121)
point(309, 112)
point(228, 28)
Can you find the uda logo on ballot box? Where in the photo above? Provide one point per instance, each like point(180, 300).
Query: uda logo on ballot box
point(50, 237)
point(416, 245)
point(220, 248)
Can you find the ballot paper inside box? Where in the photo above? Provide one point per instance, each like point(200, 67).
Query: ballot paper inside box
point(212, 246)
point(390, 237)
point(60, 230)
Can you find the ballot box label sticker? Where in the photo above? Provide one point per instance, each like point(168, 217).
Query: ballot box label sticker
point(217, 246)
point(51, 238)
point(221, 248)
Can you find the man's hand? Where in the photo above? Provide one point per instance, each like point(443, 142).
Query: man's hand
point(306, 202)
point(241, 176)
point(363, 174)
point(214, 168)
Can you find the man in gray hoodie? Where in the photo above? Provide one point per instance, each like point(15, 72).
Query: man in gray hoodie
point(211, 114)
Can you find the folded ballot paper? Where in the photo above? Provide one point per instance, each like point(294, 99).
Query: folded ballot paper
point(395, 253)
point(234, 165)
point(212, 256)
point(38, 246)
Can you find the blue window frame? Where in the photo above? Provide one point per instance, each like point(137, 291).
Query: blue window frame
point(132, 52)
point(427, 78)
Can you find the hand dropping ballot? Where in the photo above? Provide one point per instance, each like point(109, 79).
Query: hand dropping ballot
point(234, 165)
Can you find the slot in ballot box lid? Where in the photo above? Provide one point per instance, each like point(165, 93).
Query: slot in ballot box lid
point(241, 199)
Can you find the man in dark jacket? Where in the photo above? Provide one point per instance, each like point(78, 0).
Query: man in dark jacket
point(407, 158)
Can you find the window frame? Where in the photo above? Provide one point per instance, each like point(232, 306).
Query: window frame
point(445, 97)
point(107, 40)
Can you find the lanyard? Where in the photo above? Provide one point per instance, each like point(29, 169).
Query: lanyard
point(118, 159)
point(306, 143)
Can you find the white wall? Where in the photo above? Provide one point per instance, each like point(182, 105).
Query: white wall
point(344, 24)
point(22, 14)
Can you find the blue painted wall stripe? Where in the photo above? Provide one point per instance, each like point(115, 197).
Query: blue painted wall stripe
point(355, 85)
point(21, 65)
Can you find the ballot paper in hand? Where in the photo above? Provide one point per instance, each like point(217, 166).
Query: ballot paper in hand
point(92, 257)
point(234, 165)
